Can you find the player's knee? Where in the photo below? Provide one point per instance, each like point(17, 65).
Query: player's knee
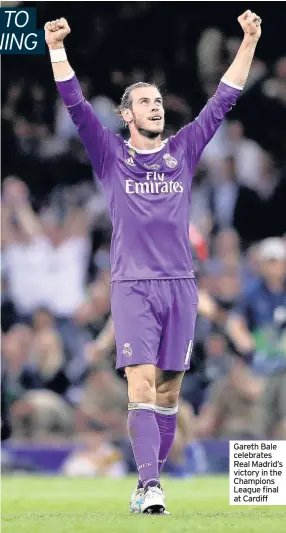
point(144, 392)
point(166, 397)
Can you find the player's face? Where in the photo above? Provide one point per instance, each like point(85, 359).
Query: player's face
point(147, 112)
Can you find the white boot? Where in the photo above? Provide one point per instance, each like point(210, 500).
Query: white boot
point(136, 500)
point(153, 501)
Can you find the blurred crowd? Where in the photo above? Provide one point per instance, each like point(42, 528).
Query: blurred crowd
point(58, 345)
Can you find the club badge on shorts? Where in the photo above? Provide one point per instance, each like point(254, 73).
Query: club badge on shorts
point(171, 162)
point(127, 350)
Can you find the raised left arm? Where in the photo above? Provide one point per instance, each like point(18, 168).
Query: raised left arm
point(198, 133)
point(239, 69)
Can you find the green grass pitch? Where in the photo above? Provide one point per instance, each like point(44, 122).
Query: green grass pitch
point(61, 505)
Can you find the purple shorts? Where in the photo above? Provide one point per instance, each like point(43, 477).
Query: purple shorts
point(154, 322)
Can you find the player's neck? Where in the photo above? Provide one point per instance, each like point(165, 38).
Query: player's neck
point(143, 143)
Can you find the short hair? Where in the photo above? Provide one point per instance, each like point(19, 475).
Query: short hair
point(126, 101)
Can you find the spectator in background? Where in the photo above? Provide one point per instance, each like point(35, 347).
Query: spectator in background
point(46, 382)
point(260, 213)
point(102, 400)
point(69, 255)
point(46, 259)
point(258, 326)
point(178, 111)
point(226, 254)
point(247, 155)
point(227, 288)
point(263, 306)
point(27, 110)
point(68, 258)
point(25, 251)
point(275, 87)
point(104, 344)
point(98, 456)
point(36, 382)
point(251, 267)
point(219, 359)
point(43, 416)
point(216, 150)
point(15, 350)
point(210, 59)
point(47, 357)
point(5, 408)
point(8, 311)
point(223, 195)
point(14, 101)
point(233, 409)
point(200, 214)
point(37, 113)
point(94, 311)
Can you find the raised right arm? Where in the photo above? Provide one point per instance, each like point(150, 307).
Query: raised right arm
point(95, 137)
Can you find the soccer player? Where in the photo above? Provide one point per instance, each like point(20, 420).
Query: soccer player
point(147, 183)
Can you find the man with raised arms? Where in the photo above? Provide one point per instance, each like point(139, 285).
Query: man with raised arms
point(147, 183)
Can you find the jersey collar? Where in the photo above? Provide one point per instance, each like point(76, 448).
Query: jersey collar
point(153, 151)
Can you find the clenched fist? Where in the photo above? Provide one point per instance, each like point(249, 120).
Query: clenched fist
point(251, 24)
point(55, 32)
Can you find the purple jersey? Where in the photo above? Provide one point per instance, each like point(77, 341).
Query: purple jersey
point(148, 191)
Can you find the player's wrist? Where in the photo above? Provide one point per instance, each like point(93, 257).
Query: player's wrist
point(57, 45)
point(250, 40)
point(58, 55)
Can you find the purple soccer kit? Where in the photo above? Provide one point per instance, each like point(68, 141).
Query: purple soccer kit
point(153, 293)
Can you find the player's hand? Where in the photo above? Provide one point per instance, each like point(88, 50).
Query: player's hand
point(251, 24)
point(55, 32)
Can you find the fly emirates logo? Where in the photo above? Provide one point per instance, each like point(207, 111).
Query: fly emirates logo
point(155, 184)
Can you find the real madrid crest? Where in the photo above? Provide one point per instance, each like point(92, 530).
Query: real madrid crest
point(171, 162)
point(127, 349)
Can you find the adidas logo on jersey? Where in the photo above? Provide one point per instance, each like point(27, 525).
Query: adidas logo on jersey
point(130, 162)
